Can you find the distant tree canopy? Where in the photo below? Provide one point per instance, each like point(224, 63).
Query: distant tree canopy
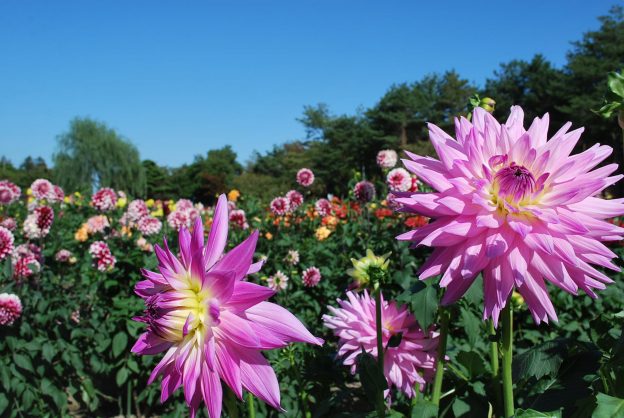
point(92, 155)
point(335, 146)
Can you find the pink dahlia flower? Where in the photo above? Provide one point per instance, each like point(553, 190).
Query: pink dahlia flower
point(25, 265)
point(295, 199)
point(323, 207)
point(6, 242)
point(179, 219)
point(9, 223)
point(238, 218)
point(137, 209)
point(399, 180)
point(305, 177)
point(311, 276)
point(516, 206)
point(210, 323)
point(104, 199)
point(411, 362)
point(184, 204)
point(42, 189)
point(149, 225)
point(364, 191)
point(97, 224)
point(9, 192)
point(10, 308)
point(63, 256)
point(279, 206)
point(58, 194)
point(103, 258)
point(387, 158)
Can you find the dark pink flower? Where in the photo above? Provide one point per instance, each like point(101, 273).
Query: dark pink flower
point(311, 276)
point(295, 199)
point(10, 308)
point(6, 242)
point(305, 177)
point(279, 206)
point(104, 199)
point(364, 191)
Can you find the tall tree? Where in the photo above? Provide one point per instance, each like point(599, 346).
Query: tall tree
point(93, 155)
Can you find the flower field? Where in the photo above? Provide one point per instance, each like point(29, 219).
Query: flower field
point(99, 317)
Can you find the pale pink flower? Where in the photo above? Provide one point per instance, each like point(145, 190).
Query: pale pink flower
point(279, 206)
point(295, 199)
point(387, 158)
point(58, 194)
point(399, 180)
point(104, 199)
point(178, 219)
point(210, 322)
point(323, 207)
point(411, 362)
point(37, 224)
point(42, 189)
point(149, 225)
point(184, 204)
point(9, 192)
point(292, 257)
point(278, 281)
point(517, 207)
point(364, 191)
point(10, 308)
point(305, 177)
point(311, 276)
point(63, 256)
point(97, 224)
point(6, 242)
point(9, 223)
point(137, 209)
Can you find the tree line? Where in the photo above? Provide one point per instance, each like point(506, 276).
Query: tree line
point(336, 146)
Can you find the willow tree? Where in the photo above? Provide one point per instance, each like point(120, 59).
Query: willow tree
point(91, 155)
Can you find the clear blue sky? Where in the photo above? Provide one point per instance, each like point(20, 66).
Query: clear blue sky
point(179, 78)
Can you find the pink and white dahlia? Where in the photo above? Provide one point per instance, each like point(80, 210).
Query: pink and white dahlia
point(58, 194)
point(415, 184)
point(38, 224)
point(323, 207)
point(137, 209)
point(305, 177)
point(292, 257)
point(311, 276)
point(411, 362)
point(184, 205)
point(42, 189)
point(9, 223)
point(25, 265)
point(210, 323)
point(10, 308)
point(63, 256)
point(278, 281)
point(149, 225)
point(9, 192)
point(103, 258)
point(399, 180)
point(6, 242)
point(295, 199)
point(238, 218)
point(387, 158)
point(364, 191)
point(104, 199)
point(97, 224)
point(179, 219)
point(516, 206)
point(279, 206)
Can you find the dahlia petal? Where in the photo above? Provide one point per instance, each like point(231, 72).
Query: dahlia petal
point(247, 294)
point(599, 208)
point(429, 170)
point(149, 343)
point(240, 257)
point(281, 322)
point(170, 383)
point(184, 241)
point(212, 392)
point(217, 238)
point(221, 283)
point(236, 330)
point(228, 366)
point(255, 267)
point(258, 377)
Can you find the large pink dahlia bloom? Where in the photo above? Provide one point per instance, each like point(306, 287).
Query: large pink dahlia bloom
point(210, 323)
point(516, 206)
point(411, 362)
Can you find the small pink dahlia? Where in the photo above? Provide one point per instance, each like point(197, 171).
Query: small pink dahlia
point(9, 223)
point(58, 194)
point(279, 206)
point(387, 158)
point(238, 218)
point(63, 256)
point(210, 323)
point(6, 242)
point(323, 207)
point(42, 189)
point(295, 199)
point(179, 219)
point(103, 258)
point(411, 362)
point(10, 308)
point(9, 192)
point(305, 177)
point(104, 199)
point(311, 276)
point(98, 223)
point(364, 191)
point(137, 209)
point(516, 206)
point(149, 225)
point(399, 180)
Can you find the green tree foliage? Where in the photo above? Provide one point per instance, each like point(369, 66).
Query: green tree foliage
point(27, 172)
point(93, 155)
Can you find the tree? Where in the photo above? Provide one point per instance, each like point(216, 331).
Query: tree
point(91, 155)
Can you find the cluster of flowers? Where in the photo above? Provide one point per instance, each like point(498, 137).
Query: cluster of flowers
point(9, 192)
point(103, 258)
point(283, 205)
point(183, 214)
point(26, 260)
point(310, 277)
point(37, 224)
point(42, 189)
point(138, 216)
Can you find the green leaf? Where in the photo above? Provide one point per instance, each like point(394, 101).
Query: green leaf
point(425, 409)
point(4, 402)
point(472, 362)
point(120, 341)
point(530, 413)
point(608, 407)
point(371, 376)
point(540, 360)
point(460, 407)
point(48, 351)
point(121, 376)
point(23, 362)
point(395, 340)
point(616, 84)
point(472, 326)
point(424, 305)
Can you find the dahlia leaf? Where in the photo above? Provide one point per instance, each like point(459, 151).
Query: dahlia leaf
point(23, 362)
point(120, 341)
point(372, 378)
point(544, 359)
point(609, 407)
point(424, 304)
point(530, 413)
point(425, 409)
point(471, 324)
point(121, 376)
point(472, 362)
point(4, 402)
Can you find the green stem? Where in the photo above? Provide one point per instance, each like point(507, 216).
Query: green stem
point(381, 402)
point(129, 398)
point(507, 351)
point(437, 383)
point(251, 407)
point(494, 363)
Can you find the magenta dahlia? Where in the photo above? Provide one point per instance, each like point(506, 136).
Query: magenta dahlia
point(364, 191)
point(104, 199)
point(238, 218)
point(305, 177)
point(295, 199)
point(10, 308)
point(323, 207)
point(6, 242)
point(311, 276)
point(210, 323)
point(279, 206)
point(411, 362)
point(42, 189)
point(103, 258)
point(9, 192)
point(516, 206)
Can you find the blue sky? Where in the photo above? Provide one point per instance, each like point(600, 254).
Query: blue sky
point(180, 78)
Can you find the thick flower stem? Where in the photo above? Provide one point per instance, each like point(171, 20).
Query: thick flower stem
point(494, 364)
point(251, 407)
point(506, 349)
point(381, 402)
point(437, 383)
